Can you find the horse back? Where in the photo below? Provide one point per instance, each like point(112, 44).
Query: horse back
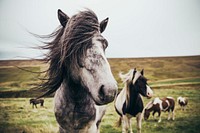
point(168, 103)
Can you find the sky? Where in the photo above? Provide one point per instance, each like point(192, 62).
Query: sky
point(136, 28)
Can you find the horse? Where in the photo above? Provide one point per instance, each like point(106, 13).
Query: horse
point(128, 102)
point(36, 101)
point(182, 101)
point(158, 105)
point(79, 72)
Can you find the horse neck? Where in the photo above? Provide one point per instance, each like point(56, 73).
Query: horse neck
point(132, 91)
point(150, 109)
point(73, 105)
point(133, 95)
point(76, 93)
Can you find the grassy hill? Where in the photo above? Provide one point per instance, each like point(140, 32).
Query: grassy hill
point(169, 76)
point(161, 71)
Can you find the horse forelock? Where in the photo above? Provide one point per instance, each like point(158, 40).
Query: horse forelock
point(136, 77)
point(126, 78)
point(78, 36)
point(68, 47)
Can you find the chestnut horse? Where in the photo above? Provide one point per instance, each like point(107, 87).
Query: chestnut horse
point(158, 105)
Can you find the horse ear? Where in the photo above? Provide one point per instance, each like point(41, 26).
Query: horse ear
point(63, 18)
point(103, 24)
point(142, 72)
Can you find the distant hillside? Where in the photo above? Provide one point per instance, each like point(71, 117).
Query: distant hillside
point(20, 63)
point(161, 71)
point(159, 68)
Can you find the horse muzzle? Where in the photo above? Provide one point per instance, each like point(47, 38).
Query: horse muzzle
point(149, 92)
point(106, 94)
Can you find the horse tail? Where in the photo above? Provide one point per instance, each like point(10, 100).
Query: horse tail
point(118, 123)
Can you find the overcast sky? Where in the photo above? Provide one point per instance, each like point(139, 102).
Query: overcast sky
point(136, 28)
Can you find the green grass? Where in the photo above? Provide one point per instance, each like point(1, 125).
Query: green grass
point(170, 76)
point(187, 121)
point(182, 81)
point(14, 79)
point(15, 74)
point(160, 71)
point(17, 115)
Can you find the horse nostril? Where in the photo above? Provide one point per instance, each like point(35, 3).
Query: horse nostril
point(102, 92)
point(149, 95)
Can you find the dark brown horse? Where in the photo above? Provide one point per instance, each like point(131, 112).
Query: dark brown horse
point(158, 105)
point(37, 101)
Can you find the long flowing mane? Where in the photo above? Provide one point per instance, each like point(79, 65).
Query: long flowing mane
point(68, 46)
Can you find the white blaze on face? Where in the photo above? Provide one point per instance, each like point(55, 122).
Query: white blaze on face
point(149, 92)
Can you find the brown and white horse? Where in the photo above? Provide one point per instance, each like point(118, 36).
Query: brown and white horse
point(128, 102)
point(158, 105)
point(182, 101)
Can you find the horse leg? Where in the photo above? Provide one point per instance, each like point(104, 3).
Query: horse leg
point(130, 125)
point(184, 108)
point(173, 114)
point(124, 124)
point(100, 111)
point(153, 114)
point(159, 115)
point(168, 115)
point(42, 104)
point(139, 122)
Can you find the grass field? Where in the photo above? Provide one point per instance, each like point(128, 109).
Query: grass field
point(17, 116)
point(170, 76)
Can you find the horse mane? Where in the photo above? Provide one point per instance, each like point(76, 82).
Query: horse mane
point(68, 46)
point(127, 79)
